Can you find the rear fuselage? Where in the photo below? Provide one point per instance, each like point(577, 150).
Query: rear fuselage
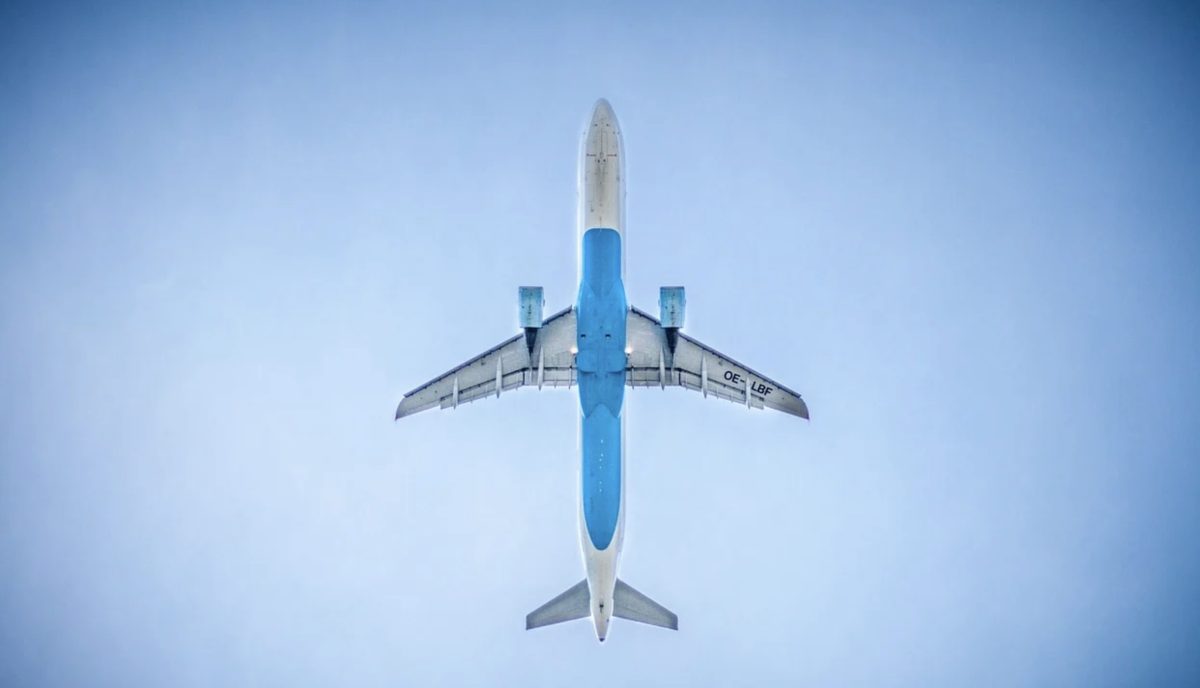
point(601, 313)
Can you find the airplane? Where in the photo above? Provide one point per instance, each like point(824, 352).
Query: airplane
point(601, 345)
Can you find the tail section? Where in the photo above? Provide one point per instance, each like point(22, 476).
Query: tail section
point(628, 603)
point(572, 604)
point(634, 606)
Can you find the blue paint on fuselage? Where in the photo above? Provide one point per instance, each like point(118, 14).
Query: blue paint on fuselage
point(600, 336)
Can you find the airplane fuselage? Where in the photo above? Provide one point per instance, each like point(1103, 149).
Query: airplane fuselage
point(602, 345)
point(601, 312)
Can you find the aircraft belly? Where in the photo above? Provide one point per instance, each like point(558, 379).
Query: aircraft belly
point(600, 337)
point(601, 475)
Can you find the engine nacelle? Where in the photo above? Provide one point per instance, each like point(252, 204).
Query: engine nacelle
point(671, 304)
point(530, 304)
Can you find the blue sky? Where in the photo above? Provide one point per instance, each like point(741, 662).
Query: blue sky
point(231, 236)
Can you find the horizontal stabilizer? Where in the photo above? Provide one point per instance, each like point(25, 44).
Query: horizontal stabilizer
point(633, 605)
point(572, 604)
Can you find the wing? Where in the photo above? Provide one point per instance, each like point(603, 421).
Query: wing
point(508, 365)
point(701, 368)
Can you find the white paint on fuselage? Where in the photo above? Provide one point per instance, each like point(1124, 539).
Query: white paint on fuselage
point(602, 176)
point(602, 204)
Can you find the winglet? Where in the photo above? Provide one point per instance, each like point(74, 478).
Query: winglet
point(399, 409)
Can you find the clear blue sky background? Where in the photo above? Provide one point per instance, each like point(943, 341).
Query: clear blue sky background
point(231, 236)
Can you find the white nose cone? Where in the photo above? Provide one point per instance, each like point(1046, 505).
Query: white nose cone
point(601, 165)
point(603, 113)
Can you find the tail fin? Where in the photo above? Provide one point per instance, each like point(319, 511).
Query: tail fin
point(633, 605)
point(574, 603)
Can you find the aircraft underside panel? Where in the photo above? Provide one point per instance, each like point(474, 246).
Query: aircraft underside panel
point(601, 319)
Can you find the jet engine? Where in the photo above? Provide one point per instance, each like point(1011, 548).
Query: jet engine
point(530, 304)
point(671, 305)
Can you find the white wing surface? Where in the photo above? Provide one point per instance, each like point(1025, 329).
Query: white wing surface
point(507, 366)
point(701, 368)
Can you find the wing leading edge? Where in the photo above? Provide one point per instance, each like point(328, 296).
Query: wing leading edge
point(506, 366)
point(701, 368)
